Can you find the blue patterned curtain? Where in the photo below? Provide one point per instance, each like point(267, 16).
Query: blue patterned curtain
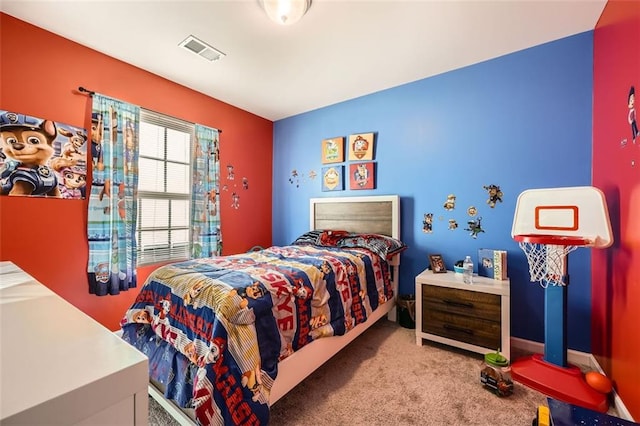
point(112, 202)
point(205, 212)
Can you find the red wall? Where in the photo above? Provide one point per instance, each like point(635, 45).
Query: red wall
point(616, 170)
point(39, 75)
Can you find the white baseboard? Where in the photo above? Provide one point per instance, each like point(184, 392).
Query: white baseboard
point(118, 333)
point(573, 357)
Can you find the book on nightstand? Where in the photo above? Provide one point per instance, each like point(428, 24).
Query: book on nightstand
point(492, 263)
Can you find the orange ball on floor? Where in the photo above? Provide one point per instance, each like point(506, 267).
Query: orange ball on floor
point(598, 381)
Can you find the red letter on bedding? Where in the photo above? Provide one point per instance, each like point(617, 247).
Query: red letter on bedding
point(244, 415)
point(282, 287)
point(233, 400)
point(286, 323)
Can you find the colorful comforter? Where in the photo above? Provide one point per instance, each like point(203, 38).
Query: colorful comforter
point(214, 329)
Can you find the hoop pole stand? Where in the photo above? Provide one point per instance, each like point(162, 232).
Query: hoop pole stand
point(555, 330)
point(551, 374)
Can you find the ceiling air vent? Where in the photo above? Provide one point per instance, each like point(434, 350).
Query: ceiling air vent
point(201, 48)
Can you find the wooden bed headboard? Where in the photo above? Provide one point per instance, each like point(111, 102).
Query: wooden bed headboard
point(379, 214)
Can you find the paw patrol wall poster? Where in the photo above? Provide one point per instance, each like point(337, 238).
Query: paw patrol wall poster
point(41, 157)
point(361, 147)
point(333, 178)
point(333, 150)
point(362, 175)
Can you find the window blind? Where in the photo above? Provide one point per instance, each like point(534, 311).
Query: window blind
point(164, 188)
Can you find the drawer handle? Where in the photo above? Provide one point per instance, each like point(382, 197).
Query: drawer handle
point(454, 328)
point(456, 303)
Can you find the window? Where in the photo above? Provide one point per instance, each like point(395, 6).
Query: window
point(164, 188)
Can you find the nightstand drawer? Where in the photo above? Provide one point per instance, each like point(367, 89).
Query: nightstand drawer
point(463, 328)
point(474, 316)
point(461, 302)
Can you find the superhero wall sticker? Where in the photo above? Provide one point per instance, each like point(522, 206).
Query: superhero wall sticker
point(233, 186)
point(474, 221)
point(631, 117)
point(41, 157)
point(632, 123)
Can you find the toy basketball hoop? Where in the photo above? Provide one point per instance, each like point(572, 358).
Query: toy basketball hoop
point(547, 256)
point(548, 225)
point(551, 223)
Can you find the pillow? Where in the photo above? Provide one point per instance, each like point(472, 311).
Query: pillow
point(384, 246)
point(331, 238)
point(319, 237)
point(311, 237)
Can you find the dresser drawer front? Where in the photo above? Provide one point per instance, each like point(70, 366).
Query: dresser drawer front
point(462, 328)
point(461, 302)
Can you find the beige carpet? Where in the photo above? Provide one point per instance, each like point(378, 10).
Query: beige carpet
point(384, 378)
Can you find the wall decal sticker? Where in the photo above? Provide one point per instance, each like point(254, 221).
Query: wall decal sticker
point(232, 184)
point(495, 194)
point(55, 166)
point(475, 227)
point(362, 175)
point(427, 223)
point(333, 150)
point(294, 178)
point(472, 211)
point(361, 147)
point(631, 117)
point(453, 225)
point(450, 204)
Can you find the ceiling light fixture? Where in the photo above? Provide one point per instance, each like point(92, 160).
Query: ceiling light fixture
point(200, 48)
point(285, 12)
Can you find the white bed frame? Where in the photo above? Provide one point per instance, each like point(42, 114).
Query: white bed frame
point(368, 214)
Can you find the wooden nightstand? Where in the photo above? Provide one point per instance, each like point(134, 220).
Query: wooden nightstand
point(474, 316)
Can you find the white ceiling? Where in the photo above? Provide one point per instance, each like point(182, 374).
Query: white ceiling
point(338, 51)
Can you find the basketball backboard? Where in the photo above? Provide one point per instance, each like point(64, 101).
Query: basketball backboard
point(579, 211)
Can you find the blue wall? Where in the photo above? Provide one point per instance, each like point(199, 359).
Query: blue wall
point(519, 121)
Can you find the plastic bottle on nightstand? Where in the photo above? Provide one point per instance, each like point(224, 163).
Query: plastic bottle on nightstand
point(467, 270)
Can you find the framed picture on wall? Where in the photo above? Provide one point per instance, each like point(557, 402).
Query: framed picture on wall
point(333, 178)
point(361, 146)
point(437, 264)
point(333, 150)
point(362, 175)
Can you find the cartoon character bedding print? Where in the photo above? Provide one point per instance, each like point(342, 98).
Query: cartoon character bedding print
point(219, 326)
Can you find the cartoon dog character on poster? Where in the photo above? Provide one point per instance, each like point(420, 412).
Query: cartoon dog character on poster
point(74, 180)
point(28, 147)
point(72, 149)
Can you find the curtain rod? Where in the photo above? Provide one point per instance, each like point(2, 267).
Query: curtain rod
point(91, 93)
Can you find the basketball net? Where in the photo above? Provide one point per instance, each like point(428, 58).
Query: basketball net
point(547, 262)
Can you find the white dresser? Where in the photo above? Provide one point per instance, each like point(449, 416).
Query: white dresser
point(59, 366)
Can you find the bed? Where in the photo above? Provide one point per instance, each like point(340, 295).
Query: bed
point(229, 336)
